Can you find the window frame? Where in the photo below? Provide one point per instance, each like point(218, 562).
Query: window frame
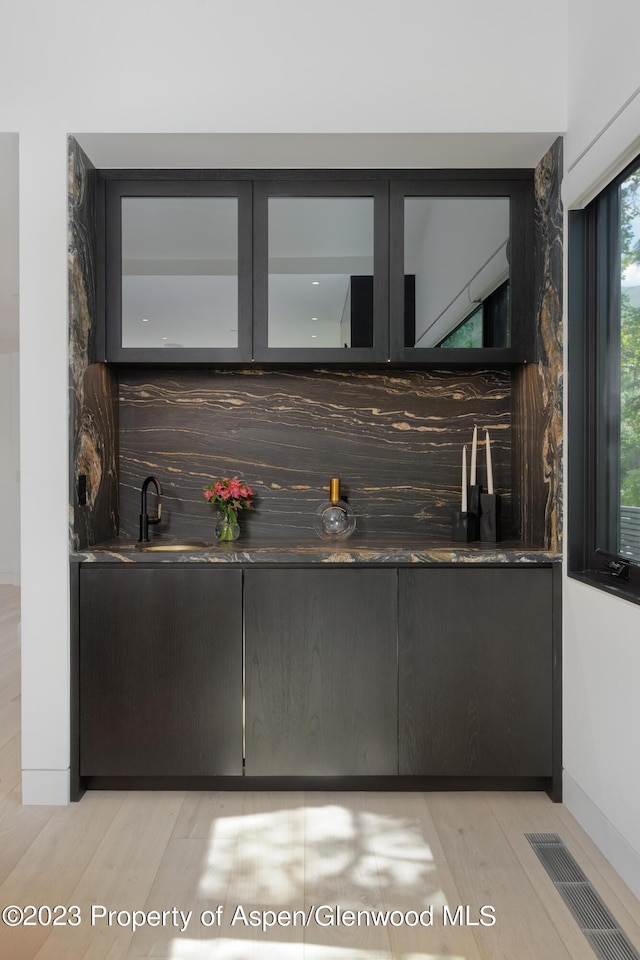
point(594, 394)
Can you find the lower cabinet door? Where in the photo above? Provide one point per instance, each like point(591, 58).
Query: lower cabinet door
point(475, 672)
point(160, 671)
point(321, 672)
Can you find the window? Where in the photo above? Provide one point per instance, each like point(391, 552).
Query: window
point(604, 369)
point(486, 326)
point(468, 333)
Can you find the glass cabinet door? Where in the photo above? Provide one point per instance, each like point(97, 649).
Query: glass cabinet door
point(181, 272)
point(320, 271)
point(459, 271)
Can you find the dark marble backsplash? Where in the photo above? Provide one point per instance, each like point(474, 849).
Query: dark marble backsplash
point(537, 387)
point(92, 386)
point(395, 439)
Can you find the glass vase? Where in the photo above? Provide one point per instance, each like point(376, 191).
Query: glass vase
point(227, 526)
point(334, 520)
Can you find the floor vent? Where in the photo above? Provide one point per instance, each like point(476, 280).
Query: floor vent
point(600, 928)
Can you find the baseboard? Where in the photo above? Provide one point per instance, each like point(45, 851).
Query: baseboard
point(620, 854)
point(45, 788)
point(365, 782)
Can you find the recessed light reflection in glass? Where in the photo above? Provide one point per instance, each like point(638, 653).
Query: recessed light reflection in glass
point(315, 283)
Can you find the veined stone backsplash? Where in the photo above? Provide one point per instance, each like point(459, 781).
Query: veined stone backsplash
point(395, 440)
point(92, 386)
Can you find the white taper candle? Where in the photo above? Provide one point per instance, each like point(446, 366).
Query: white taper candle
point(474, 457)
point(464, 478)
point(489, 463)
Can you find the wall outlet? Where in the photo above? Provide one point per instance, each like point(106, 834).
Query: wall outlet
point(82, 489)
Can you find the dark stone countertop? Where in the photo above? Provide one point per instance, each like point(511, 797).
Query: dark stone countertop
point(361, 550)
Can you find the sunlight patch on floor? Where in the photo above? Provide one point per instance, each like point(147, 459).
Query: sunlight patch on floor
point(276, 851)
point(227, 949)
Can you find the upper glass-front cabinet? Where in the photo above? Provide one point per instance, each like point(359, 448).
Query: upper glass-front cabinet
point(179, 271)
point(320, 271)
point(358, 269)
point(459, 262)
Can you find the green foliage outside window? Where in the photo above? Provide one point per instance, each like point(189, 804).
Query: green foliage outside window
point(630, 344)
point(468, 334)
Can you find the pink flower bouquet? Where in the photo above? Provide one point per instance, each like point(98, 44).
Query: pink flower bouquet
point(229, 495)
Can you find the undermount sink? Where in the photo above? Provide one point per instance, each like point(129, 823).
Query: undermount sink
point(173, 545)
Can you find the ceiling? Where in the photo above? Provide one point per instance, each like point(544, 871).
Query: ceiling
point(320, 150)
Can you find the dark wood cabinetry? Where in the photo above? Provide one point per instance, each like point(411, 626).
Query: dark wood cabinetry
point(440, 675)
point(475, 672)
point(160, 671)
point(321, 692)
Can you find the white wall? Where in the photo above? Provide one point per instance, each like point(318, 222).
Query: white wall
point(44, 463)
point(601, 632)
point(9, 379)
point(207, 66)
point(603, 92)
point(9, 469)
point(282, 66)
point(602, 720)
point(9, 217)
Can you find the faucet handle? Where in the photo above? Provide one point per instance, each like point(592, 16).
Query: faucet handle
point(145, 519)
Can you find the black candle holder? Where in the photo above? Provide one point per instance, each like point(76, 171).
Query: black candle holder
point(490, 530)
point(465, 526)
point(473, 498)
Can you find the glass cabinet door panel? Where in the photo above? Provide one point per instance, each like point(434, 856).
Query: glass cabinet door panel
point(179, 272)
point(320, 264)
point(456, 271)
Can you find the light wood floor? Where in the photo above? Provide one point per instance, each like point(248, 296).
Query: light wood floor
point(284, 851)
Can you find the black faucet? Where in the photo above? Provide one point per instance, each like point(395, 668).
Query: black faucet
point(145, 519)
